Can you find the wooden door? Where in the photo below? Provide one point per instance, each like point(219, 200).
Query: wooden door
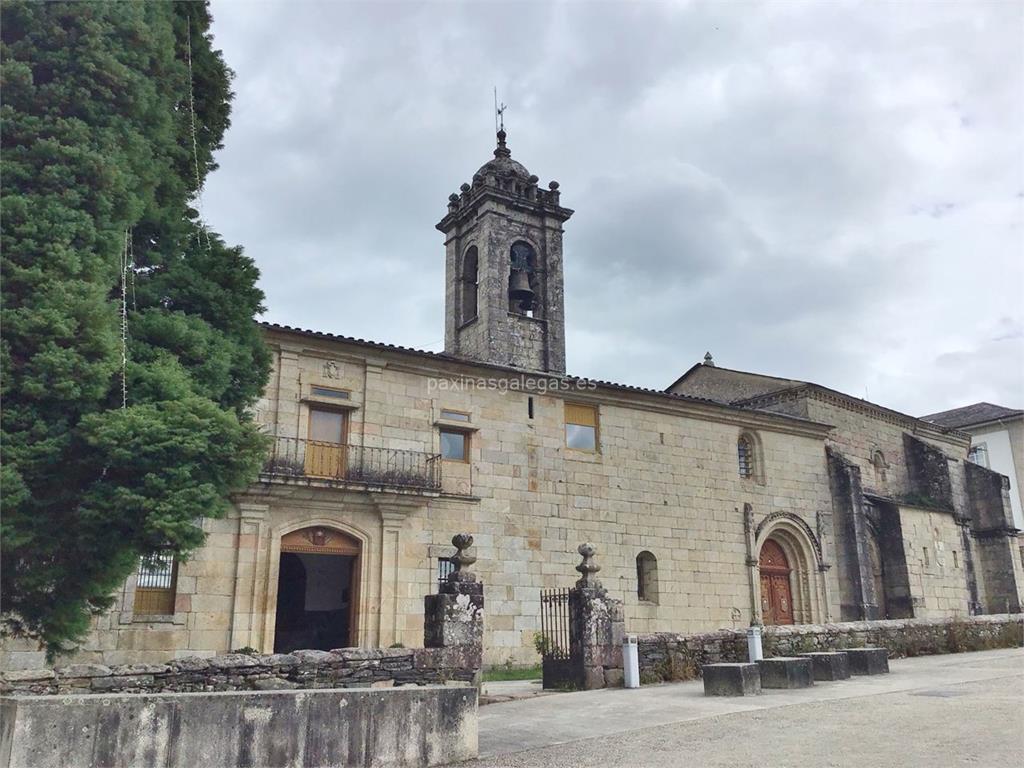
point(325, 447)
point(776, 595)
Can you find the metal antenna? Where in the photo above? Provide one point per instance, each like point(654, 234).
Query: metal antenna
point(499, 113)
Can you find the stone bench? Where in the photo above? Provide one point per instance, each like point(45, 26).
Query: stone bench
point(731, 679)
point(868, 661)
point(829, 665)
point(786, 672)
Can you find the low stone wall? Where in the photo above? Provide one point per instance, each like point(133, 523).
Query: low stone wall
point(432, 725)
point(342, 668)
point(666, 656)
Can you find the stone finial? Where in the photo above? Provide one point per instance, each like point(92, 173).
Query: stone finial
point(462, 542)
point(709, 360)
point(588, 567)
point(502, 150)
point(465, 187)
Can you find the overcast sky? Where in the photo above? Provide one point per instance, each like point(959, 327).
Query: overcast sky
point(829, 191)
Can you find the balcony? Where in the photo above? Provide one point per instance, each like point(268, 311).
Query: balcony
point(294, 460)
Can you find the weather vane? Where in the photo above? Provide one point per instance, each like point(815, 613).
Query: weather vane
point(499, 112)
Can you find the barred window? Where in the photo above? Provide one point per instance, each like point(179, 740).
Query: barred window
point(745, 456)
point(445, 566)
point(156, 585)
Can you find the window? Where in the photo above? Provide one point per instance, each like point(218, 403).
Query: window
point(880, 465)
point(454, 445)
point(956, 559)
point(581, 427)
point(454, 415)
point(337, 394)
point(926, 560)
point(469, 284)
point(979, 455)
point(445, 566)
point(647, 577)
point(156, 584)
point(745, 456)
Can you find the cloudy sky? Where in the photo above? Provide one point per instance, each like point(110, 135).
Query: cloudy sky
point(830, 191)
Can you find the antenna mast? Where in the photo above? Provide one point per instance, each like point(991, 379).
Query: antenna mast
point(499, 113)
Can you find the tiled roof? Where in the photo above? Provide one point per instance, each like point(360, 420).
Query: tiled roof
point(979, 413)
point(441, 356)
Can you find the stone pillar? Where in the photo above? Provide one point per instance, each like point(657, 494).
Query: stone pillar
point(247, 613)
point(454, 618)
point(596, 628)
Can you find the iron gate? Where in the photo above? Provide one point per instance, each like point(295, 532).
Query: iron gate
point(554, 623)
point(561, 661)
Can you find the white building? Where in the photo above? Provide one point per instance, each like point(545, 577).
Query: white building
point(997, 443)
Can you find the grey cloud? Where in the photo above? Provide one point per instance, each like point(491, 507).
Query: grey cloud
point(814, 190)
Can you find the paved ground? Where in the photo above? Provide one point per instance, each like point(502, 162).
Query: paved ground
point(932, 712)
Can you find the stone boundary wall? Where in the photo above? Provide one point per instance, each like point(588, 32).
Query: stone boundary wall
point(341, 668)
point(408, 727)
point(667, 656)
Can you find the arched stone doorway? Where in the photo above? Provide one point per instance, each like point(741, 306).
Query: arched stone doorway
point(776, 589)
point(317, 590)
point(877, 572)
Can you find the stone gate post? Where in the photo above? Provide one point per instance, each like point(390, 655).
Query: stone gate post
point(454, 618)
point(596, 629)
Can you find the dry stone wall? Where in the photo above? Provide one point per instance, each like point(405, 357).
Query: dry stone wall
point(342, 668)
point(666, 656)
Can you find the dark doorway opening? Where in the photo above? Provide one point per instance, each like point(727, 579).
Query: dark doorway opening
point(315, 596)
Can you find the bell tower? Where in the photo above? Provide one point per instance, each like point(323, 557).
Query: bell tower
point(503, 269)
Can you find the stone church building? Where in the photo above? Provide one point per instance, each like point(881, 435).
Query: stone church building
point(728, 498)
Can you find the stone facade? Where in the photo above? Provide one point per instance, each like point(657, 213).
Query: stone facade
point(851, 494)
point(918, 530)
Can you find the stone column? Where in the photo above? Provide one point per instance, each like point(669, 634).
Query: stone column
point(454, 618)
point(596, 627)
point(246, 613)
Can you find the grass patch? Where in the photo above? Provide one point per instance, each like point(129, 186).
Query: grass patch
point(497, 674)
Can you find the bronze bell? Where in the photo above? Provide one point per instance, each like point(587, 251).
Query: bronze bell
point(519, 289)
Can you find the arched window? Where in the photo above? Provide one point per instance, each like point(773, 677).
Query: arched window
point(647, 577)
point(880, 465)
point(745, 456)
point(470, 265)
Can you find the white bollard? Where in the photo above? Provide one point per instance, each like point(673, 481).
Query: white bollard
point(631, 662)
point(754, 644)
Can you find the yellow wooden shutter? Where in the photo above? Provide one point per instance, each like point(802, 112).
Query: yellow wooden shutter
point(583, 415)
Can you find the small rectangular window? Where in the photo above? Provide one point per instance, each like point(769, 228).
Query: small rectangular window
point(454, 416)
point(581, 427)
point(979, 455)
point(529, 407)
point(337, 394)
point(444, 567)
point(454, 445)
point(956, 560)
point(156, 585)
point(924, 551)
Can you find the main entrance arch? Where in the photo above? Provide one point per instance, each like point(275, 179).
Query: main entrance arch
point(317, 590)
point(776, 590)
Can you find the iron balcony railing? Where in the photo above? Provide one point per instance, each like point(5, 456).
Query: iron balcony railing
point(314, 460)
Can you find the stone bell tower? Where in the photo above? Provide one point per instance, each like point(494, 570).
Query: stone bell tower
point(503, 275)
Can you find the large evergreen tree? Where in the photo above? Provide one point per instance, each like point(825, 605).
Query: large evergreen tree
point(97, 140)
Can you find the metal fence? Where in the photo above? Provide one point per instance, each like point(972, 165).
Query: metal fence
point(316, 460)
point(554, 623)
